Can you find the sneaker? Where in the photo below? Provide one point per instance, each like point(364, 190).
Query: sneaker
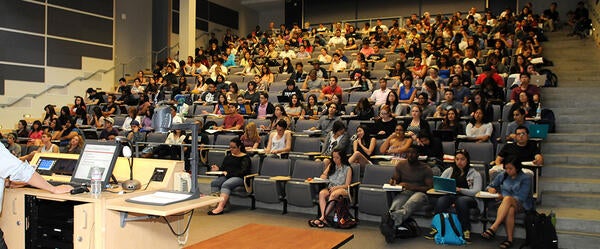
point(431, 234)
point(467, 236)
point(387, 227)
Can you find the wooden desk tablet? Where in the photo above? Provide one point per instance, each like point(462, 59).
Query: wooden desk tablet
point(275, 237)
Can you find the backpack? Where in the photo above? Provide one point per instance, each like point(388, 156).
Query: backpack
point(539, 231)
point(342, 218)
point(547, 117)
point(408, 229)
point(551, 78)
point(449, 229)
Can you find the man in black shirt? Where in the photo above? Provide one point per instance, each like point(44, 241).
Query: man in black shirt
point(523, 149)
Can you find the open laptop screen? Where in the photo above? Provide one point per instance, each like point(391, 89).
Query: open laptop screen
point(96, 154)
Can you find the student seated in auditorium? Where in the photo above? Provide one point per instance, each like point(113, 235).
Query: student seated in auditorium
point(379, 96)
point(330, 90)
point(298, 75)
point(452, 123)
point(514, 187)
point(291, 89)
point(46, 146)
point(75, 145)
point(264, 108)
point(166, 150)
point(468, 183)
point(397, 144)
point(416, 178)
point(235, 166)
point(448, 103)
point(278, 114)
point(279, 143)
point(431, 147)
point(111, 107)
point(313, 83)
point(522, 148)
point(233, 120)
point(526, 87)
point(109, 132)
point(337, 138)
point(93, 97)
point(363, 147)
point(211, 94)
point(477, 130)
point(242, 107)
point(67, 132)
point(339, 174)
point(326, 121)
point(337, 64)
point(519, 120)
point(385, 123)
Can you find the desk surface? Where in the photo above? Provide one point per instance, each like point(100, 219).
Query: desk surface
point(121, 205)
point(267, 236)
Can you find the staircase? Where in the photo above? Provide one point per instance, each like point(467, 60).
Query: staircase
point(570, 183)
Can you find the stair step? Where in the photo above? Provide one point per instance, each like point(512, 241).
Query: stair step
point(576, 119)
point(576, 171)
point(570, 147)
point(570, 199)
point(560, 111)
point(578, 128)
point(577, 240)
point(572, 137)
point(570, 184)
point(572, 159)
point(574, 219)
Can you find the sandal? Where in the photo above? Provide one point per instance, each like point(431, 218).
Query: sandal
point(506, 244)
point(489, 234)
point(317, 223)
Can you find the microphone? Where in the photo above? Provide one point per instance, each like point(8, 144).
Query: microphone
point(131, 184)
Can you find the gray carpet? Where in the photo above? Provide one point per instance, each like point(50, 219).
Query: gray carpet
point(366, 235)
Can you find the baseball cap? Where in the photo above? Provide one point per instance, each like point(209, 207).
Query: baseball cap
point(109, 119)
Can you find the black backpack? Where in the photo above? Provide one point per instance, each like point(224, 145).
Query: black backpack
point(342, 218)
point(547, 117)
point(408, 229)
point(539, 231)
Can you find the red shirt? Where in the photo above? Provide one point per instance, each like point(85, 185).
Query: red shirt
point(497, 78)
point(329, 90)
point(233, 120)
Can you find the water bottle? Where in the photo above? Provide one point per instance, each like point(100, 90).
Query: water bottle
point(335, 218)
point(96, 181)
point(553, 218)
point(538, 111)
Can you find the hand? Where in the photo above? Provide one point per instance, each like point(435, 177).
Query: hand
point(381, 132)
point(492, 190)
point(214, 167)
point(392, 182)
point(61, 189)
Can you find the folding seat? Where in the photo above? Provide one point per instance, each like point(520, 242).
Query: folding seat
point(298, 192)
point(246, 191)
point(372, 199)
point(224, 139)
point(269, 190)
point(481, 153)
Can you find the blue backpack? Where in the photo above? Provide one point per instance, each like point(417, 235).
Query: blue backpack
point(449, 229)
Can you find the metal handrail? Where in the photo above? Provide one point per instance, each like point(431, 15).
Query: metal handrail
point(48, 88)
point(156, 53)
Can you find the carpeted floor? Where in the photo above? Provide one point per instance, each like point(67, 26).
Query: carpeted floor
point(366, 235)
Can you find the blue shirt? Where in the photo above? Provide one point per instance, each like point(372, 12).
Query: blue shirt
point(519, 188)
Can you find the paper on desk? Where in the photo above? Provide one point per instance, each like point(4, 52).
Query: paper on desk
point(530, 163)
point(485, 194)
point(311, 131)
point(389, 187)
point(219, 173)
point(160, 197)
point(320, 180)
point(211, 131)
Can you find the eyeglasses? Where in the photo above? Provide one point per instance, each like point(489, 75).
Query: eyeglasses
point(521, 134)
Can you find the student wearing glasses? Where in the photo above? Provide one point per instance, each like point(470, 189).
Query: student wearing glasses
point(522, 148)
point(235, 166)
point(385, 124)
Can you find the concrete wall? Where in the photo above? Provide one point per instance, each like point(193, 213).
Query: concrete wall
point(133, 36)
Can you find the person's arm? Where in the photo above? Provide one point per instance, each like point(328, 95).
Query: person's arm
point(38, 181)
point(288, 143)
point(269, 143)
point(538, 159)
point(346, 183)
point(525, 187)
point(371, 148)
point(477, 183)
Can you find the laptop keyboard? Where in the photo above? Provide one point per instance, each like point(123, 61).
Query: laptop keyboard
point(73, 184)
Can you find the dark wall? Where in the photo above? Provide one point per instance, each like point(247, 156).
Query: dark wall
point(88, 31)
point(319, 11)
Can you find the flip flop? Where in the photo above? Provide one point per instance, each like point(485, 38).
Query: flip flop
point(506, 244)
point(489, 234)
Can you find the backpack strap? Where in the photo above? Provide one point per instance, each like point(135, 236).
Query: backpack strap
point(443, 224)
point(450, 218)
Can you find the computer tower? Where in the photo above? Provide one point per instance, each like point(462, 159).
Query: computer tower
point(50, 223)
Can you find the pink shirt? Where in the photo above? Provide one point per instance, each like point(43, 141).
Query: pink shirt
point(262, 110)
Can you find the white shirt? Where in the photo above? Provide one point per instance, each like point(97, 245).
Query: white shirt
point(380, 96)
point(11, 166)
point(337, 41)
point(289, 53)
point(339, 66)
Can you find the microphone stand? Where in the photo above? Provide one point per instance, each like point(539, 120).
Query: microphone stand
point(131, 184)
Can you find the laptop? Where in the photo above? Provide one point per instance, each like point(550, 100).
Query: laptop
point(538, 80)
point(538, 131)
point(444, 135)
point(45, 165)
point(444, 185)
point(283, 99)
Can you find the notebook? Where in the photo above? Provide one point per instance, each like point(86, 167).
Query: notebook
point(283, 99)
point(444, 185)
point(538, 131)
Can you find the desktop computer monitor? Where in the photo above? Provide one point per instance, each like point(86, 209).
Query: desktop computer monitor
point(101, 154)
